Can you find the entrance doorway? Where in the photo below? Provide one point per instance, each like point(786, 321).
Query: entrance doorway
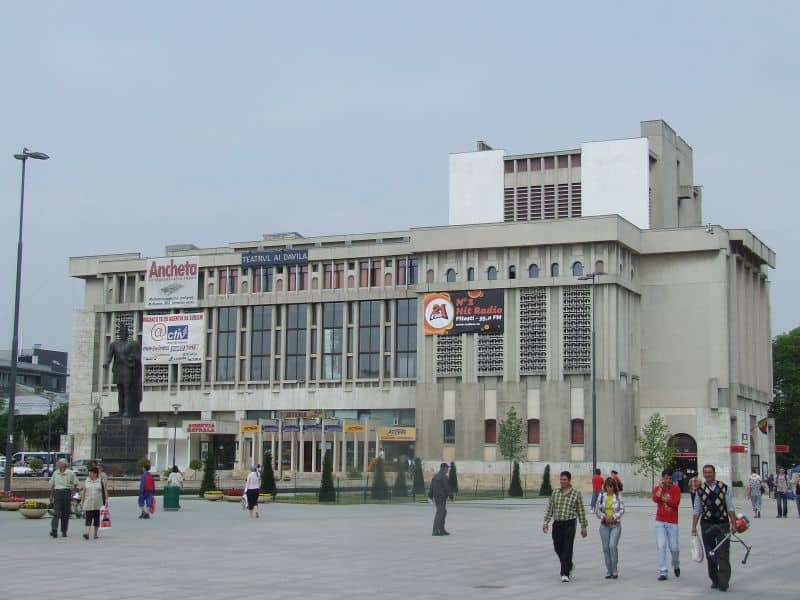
point(685, 457)
point(224, 450)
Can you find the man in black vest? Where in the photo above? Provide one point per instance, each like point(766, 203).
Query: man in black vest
point(713, 507)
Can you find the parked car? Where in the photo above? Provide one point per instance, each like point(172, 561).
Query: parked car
point(81, 466)
point(17, 470)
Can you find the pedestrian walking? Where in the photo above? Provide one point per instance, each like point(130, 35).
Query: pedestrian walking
point(678, 477)
point(597, 487)
point(63, 484)
point(753, 492)
point(439, 493)
point(694, 484)
point(616, 478)
point(175, 478)
point(782, 493)
point(713, 509)
point(797, 495)
point(771, 484)
point(667, 497)
point(93, 497)
point(252, 485)
point(565, 508)
point(609, 509)
point(147, 493)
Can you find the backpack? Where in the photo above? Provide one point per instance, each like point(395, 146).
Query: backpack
point(149, 483)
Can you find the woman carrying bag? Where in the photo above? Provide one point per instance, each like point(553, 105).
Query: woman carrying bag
point(251, 489)
point(609, 509)
point(93, 497)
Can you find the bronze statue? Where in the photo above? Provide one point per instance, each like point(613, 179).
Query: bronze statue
point(127, 357)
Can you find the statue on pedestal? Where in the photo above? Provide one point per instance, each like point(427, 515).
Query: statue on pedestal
point(127, 372)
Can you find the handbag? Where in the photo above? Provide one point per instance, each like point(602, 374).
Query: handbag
point(697, 549)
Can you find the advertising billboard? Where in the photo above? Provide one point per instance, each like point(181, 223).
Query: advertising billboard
point(171, 282)
point(455, 313)
point(169, 339)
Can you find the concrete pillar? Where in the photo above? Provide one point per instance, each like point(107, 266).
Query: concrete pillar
point(301, 457)
point(313, 452)
point(293, 465)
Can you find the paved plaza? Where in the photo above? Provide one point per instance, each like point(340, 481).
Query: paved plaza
point(496, 550)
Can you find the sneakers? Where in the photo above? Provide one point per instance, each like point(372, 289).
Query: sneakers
point(662, 578)
point(53, 534)
point(86, 536)
point(564, 579)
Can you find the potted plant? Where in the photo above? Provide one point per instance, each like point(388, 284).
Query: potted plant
point(232, 495)
point(212, 495)
point(11, 502)
point(33, 509)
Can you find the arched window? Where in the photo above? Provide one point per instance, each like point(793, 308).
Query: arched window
point(490, 431)
point(533, 271)
point(554, 270)
point(451, 275)
point(576, 432)
point(533, 431)
point(449, 431)
point(577, 269)
point(470, 274)
point(429, 276)
point(599, 266)
point(491, 273)
point(512, 272)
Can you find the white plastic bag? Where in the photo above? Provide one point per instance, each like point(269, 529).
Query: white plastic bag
point(697, 549)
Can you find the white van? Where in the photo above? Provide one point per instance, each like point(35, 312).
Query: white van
point(25, 458)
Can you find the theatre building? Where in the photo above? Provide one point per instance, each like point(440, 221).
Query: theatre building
point(416, 342)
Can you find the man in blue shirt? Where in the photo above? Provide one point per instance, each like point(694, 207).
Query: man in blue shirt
point(713, 507)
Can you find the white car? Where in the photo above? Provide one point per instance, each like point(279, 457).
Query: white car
point(18, 470)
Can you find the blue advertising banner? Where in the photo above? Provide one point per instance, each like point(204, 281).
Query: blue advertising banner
point(269, 426)
point(333, 425)
point(290, 425)
point(312, 425)
point(268, 258)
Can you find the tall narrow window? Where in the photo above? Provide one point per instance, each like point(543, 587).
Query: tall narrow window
point(302, 278)
point(338, 275)
point(369, 339)
point(413, 271)
point(406, 339)
point(471, 274)
point(491, 273)
point(260, 343)
point(429, 276)
point(363, 273)
point(512, 272)
point(533, 431)
point(533, 271)
point(375, 274)
point(223, 281)
point(292, 287)
point(577, 269)
point(296, 322)
point(451, 275)
point(554, 270)
point(490, 431)
point(327, 276)
point(332, 328)
point(599, 266)
point(226, 344)
point(401, 271)
point(576, 432)
point(449, 431)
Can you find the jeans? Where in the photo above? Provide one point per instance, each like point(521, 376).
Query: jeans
point(797, 500)
point(667, 535)
point(755, 500)
point(609, 537)
point(593, 503)
point(439, 517)
point(781, 498)
point(563, 542)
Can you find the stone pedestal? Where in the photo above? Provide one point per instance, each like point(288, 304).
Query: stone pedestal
point(121, 443)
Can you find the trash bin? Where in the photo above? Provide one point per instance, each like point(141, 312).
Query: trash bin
point(172, 497)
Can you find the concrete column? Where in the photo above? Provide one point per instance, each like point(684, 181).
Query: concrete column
point(313, 452)
point(335, 452)
point(301, 458)
point(293, 465)
point(366, 448)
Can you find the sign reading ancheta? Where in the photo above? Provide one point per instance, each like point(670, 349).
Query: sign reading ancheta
point(173, 338)
point(171, 282)
point(455, 313)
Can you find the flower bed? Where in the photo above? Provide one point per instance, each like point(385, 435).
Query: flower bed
point(32, 509)
point(233, 495)
point(212, 495)
point(11, 502)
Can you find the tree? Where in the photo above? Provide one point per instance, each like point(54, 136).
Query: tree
point(268, 485)
point(785, 408)
point(546, 489)
point(400, 488)
point(656, 448)
point(380, 489)
point(509, 439)
point(452, 478)
point(327, 493)
point(209, 475)
point(515, 489)
point(419, 480)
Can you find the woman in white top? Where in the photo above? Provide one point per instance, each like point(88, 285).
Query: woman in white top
point(175, 478)
point(93, 496)
point(251, 488)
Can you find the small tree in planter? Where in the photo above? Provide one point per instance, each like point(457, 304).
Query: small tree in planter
point(400, 489)
point(419, 480)
point(195, 465)
point(380, 489)
point(327, 493)
point(515, 489)
point(209, 475)
point(656, 448)
point(546, 489)
point(452, 478)
point(268, 485)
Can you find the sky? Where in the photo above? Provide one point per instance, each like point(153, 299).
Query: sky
point(213, 122)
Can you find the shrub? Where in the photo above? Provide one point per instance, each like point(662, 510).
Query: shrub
point(327, 493)
point(353, 473)
point(141, 464)
point(195, 464)
point(400, 489)
point(419, 480)
point(233, 492)
point(209, 475)
point(452, 479)
point(546, 489)
point(36, 464)
point(268, 485)
point(515, 489)
point(380, 489)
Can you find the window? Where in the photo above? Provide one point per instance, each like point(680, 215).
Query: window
point(429, 276)
point(363, 273)
point(599, 266)
point(522, 165)
point(292, 279)
point(451, 275)
point(223, 281)
point(260, 343)
point(296, 342)
point(449, 431)
point(327, 276)
point(509, 166)
point(576, 160)
point(302, 277)
point(470, 274)
point(375, 276)
point(512, 272)
point(554, 270)
point(549, 162)
point(413, 271)
point(490, 431)
point(332, 335)
point(491, 273)
point(406, 339)
point(533, 271)
point(562, 161)
point(577, 269)
point(262, 279)
point(369, 339)
point(338, 275)
point(226, 343)
point(576, 432)
point(401, 271)
point(533, 431)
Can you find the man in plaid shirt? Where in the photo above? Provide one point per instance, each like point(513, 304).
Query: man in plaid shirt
point(566, 506)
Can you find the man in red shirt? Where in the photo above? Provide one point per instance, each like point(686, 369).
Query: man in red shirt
point(667, 497)
point(597, 487)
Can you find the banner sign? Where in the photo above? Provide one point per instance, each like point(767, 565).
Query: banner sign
point(397, 434)
point(173, 338)
point(291, 425)
point(269, 258)
point(455, 313)
point(200, 427)
point(171, 282)
point(355, 428)
point(294, 414)
point(269, 426)
point(248, 428)
point(333, 425)
point(311, 425)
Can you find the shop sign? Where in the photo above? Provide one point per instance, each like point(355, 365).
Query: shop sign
point(781, 448)
point(397, 434)
point(248, 428)
point(312, 425)
point(269, 426)
point(291, 425)
point(738, 449)
point(455, 313)
point(171, 282)
point(171, 339)
point(333, 425)
point(299, 414)
point(200, 427)
point(355, 428)
point(269, 258)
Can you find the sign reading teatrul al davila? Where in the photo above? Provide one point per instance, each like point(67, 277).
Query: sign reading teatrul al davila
point(455, 313)
point(268, 258)
point(171, 282)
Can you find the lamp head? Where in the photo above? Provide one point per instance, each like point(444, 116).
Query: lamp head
point(26, 154)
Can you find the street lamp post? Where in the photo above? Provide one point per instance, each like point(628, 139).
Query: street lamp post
point(12, 378)
point(50, 433)
point(175, 408)
point(593, 278)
